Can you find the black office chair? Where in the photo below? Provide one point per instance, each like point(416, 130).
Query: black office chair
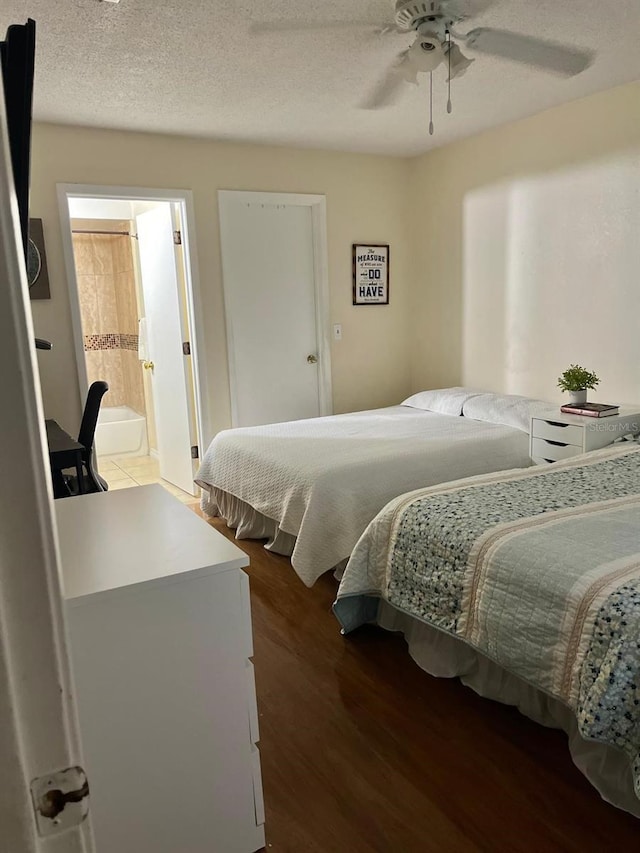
point(93, 482)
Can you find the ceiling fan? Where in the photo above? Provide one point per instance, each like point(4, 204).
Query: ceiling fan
point(437, 42)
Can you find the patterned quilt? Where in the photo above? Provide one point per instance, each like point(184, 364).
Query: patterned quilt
point(538, 569)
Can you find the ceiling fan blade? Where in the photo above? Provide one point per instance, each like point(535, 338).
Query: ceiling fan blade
point(262, 27)
point(548, 55)
point(464, 9)
point(388, 88)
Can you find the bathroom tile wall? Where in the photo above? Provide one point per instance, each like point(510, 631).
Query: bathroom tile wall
point(108, 305)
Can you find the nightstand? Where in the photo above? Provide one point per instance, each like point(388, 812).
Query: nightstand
point(555, 435)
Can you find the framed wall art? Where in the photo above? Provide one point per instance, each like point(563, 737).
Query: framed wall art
point(370, 274)
point(37, 272)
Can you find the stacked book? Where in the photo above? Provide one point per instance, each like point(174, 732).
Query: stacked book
point(591, 410)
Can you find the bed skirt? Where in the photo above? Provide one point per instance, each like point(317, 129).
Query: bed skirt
point(247, 522)
point(445, 656)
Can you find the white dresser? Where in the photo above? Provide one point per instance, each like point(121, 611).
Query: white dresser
point(555, 435)
point(160, 634)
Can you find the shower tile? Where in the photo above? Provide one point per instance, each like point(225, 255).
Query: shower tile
point(122, 256)
point(94, 361)
point(88, 298)
point(134, 313)
point(83, 254)
point(117, 254)
point(114, 396)
point(121, 301)
point(126, 299)
point(134, 381)
point(103, 254)
point(133, 296)
point(113, 375)
point(129, 343)
point(107, 306)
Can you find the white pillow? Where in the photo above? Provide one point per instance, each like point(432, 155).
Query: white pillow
point(444, 401)
point(507, 409)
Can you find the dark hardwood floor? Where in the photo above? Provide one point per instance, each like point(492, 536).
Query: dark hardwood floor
point(362, 751)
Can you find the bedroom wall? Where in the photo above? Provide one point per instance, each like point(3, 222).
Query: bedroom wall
point(366, 200)
point(528, 252)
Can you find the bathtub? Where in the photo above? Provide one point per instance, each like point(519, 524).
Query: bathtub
point(119, 431)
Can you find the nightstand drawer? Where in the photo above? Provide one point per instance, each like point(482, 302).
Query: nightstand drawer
point(548, 450)
point(556, 431)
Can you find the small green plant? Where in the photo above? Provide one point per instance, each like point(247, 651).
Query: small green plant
point(576, 378)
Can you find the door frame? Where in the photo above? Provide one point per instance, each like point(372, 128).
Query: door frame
point(318, 206)
point(39, 731)
point(192, 276)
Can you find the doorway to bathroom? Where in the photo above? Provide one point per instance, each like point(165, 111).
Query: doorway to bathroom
point(134, 299)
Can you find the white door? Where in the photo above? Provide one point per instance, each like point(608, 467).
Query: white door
point(163, 312)
point(38, 731)
point(269, 271)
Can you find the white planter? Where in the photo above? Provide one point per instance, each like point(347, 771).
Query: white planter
point(578, 398)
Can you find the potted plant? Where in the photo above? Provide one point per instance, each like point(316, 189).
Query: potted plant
point(577, 381)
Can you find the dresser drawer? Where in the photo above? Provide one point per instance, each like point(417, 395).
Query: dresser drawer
point(556, 431)
point(258, 796)
point(245, 599)
point(543, 449)
point(252, 705)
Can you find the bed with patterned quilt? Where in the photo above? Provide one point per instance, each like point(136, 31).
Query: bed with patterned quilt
point(526, 584)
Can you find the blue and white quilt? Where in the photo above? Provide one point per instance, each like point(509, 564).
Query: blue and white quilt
point(539, 569)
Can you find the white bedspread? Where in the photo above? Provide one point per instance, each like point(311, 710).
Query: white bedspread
point(324, 479)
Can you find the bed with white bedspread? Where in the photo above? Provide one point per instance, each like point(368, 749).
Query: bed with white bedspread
point(311, 487)
point(527, 585)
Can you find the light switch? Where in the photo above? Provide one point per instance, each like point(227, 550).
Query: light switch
point(337, 331)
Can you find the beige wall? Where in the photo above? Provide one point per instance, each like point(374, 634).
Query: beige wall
point(528, 252)
point(514, 252)
point(366, 200)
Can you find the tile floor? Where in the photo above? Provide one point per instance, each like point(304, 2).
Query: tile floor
point(124, 472)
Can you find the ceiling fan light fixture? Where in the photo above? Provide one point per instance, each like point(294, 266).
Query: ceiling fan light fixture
point(458, 62)
point(426, 53)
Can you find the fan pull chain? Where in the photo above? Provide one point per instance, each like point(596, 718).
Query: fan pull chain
point(431, 103)
point(449, 107)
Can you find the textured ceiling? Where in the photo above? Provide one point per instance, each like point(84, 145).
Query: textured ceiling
point(192, 67)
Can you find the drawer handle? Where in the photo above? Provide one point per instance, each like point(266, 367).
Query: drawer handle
point(557, 424)
point(555, 443)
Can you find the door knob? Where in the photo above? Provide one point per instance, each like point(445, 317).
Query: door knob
point(312, 359)
point(148, 365)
